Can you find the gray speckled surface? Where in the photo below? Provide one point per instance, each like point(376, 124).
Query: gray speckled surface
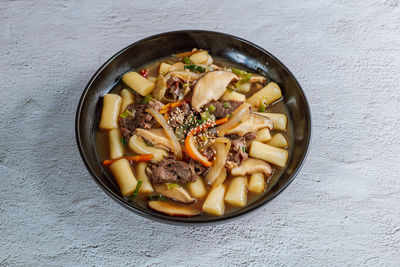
point(343, 208)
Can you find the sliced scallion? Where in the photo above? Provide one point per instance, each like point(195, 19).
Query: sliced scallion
point(138, 185)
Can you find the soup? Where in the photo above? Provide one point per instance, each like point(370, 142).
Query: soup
point(193, 135)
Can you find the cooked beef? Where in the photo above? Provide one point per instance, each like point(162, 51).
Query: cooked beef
point(209, 153)
point(155, 104)
point(196, 168)
point(138, 118)
point(178, 115)
point(171, 81)
point(250, 136)
point(223, 108)
point(174, 88)
point(171, 170)
point(237, 153)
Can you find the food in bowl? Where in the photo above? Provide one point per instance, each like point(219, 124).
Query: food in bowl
point(192, 135)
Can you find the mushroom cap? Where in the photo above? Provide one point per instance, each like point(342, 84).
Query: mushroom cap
point(210, 87)
point(250, 166)
point(155, 136)
point(257, 78)
point(173, 209)
point(252, 123)
point(177, 193)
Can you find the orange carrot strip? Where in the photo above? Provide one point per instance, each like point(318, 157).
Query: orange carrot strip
point(191, 150)
point(166, 108)
point(136, 158)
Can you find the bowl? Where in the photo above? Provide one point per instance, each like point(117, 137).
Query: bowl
point(158, 46)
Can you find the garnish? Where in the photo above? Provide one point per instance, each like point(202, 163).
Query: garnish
point(205, 116)
point(263, 105)
point(144, 73)
point(226, 105)
point(211, 109)
point(123, 141)
point(195, 68)
point(125, 114)
point(187, 60)
point(138, 185)
point(147, 99)
point(244, 74)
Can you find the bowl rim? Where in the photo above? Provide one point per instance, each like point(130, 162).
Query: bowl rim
point(178, 220)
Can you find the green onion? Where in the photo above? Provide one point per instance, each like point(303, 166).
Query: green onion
point(239, 72)
point(226, 105)
point(147, 99)
point(138, 185)
point(211, 108)
point(180, 132)
point(244, 148)
point(228, 115)
point(172, 186)
point(187, 60)
point(244, 80)
point(123, 141)
point(125, 114)
point(195, 68)
point(156, 197)
point(205, 116)
point(263, 106)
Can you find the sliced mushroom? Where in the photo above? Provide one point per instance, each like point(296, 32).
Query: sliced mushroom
point(173, 209)
point(155, 136)
point(177, 193)
point(250, 166)
point(137, 145)
point(184, 75)
point(257, 78)
point(252, 123)
point(210, 87)
point(160, 88)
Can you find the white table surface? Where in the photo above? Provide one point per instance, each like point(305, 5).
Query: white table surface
point(342, 209)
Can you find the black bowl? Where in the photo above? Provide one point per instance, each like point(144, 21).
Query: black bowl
point(219, 44)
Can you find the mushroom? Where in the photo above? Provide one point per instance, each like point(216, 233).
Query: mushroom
point(250, 166)
point(173, 209)
point(252, 123)
point(257, 78)
point(184, 75)
point(137, 145)
point(155, 136)
point(176, 193)
point(210, 87)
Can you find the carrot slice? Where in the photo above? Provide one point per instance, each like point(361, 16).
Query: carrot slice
point(136, 158)
point(191, 150)
point(166, 108)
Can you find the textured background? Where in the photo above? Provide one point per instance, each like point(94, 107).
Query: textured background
point(343, 208)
